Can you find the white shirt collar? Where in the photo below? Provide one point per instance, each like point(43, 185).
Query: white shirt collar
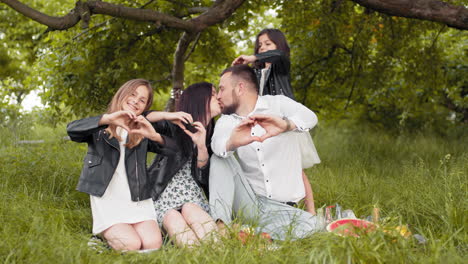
point(261, 104)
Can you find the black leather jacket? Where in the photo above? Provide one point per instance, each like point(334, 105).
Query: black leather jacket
point(277, 79)
point(103, 155)
point(164, 167)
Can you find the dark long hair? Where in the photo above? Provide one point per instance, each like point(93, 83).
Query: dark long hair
point(277, 37)
point(195, 100)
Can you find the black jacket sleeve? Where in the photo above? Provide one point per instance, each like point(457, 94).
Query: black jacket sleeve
point(278, 58)
point(83, 129)
point(170, 146)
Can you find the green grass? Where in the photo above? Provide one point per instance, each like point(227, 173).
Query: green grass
point(419, 180)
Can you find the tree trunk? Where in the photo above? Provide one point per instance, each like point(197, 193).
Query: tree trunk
point(178, 69)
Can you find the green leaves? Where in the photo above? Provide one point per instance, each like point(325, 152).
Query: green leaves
point(347, 61)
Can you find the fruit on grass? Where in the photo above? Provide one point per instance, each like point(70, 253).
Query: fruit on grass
point(351, 227)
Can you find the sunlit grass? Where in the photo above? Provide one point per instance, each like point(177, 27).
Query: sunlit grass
point(416, 180)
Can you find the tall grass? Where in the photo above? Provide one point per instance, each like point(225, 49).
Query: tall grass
point(419, 180)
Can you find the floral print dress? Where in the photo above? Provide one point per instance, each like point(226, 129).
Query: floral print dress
point(181, 189)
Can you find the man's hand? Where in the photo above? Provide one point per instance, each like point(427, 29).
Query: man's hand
point(273, 125)
point(242, 135)
point(119, 118)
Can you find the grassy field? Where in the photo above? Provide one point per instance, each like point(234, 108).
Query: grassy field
point(419, 180)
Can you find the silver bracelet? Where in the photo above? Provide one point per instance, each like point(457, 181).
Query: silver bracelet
point(288, 126)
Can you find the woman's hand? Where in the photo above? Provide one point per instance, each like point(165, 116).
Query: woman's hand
point(122, 119)
point(179, 118)
point(141, 126)
point(244, 59)
point(198, 137)
point(174, 117)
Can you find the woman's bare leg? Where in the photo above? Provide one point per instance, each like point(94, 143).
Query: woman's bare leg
point(149, 233)
point(122, 237)
point(178, 229)
point(199, 220)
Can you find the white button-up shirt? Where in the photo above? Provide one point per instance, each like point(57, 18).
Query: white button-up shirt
point(272, 167)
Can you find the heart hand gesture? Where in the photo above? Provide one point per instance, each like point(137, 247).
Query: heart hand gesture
point(273, 125)
point(119, 118)
point(242, 135)
point(141, 126)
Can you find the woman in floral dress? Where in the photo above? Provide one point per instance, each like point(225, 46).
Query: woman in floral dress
point(181, 188)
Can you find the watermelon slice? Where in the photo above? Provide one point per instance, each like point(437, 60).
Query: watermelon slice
point(351, 227)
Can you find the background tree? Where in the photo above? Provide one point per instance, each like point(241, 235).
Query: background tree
point(388, 70)
point(77, 64)
point(348, 60)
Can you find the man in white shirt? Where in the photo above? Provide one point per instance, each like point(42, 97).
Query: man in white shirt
point(266, 178)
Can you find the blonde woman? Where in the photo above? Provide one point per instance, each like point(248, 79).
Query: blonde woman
point(114, 170)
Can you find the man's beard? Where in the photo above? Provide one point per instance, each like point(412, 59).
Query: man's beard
point(231, 109)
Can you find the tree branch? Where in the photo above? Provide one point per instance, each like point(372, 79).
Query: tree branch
point(197, 10)
point(326, 58)
point(220, 11)
point(448, 102)
point(98, 7)
point(58, 23)
point(138, 14)
point(432, 10)
point(193, 47)
point(350, 95)
point(304, 88)
point(107, 21)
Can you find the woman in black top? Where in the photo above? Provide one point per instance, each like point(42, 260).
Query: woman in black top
point(181, 185)
point(271, 63)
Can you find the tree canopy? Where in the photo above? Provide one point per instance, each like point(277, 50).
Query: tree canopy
point(358, 59)
point(389, 70)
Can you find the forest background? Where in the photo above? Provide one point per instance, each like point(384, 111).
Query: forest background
point(390, 92)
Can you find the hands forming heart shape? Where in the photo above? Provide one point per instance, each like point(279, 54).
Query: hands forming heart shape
point(273, 125)
point(132, 123)
point(141, 126)
point(242, 134)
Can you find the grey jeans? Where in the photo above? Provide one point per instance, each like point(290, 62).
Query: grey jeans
point(231, 192)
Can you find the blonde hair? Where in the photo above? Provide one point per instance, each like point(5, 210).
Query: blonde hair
point(117, 102)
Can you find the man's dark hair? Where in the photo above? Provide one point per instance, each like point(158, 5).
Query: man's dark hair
point(244, 72)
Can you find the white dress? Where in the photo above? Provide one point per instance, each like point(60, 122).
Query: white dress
point(116, 205)
point(309, 155)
